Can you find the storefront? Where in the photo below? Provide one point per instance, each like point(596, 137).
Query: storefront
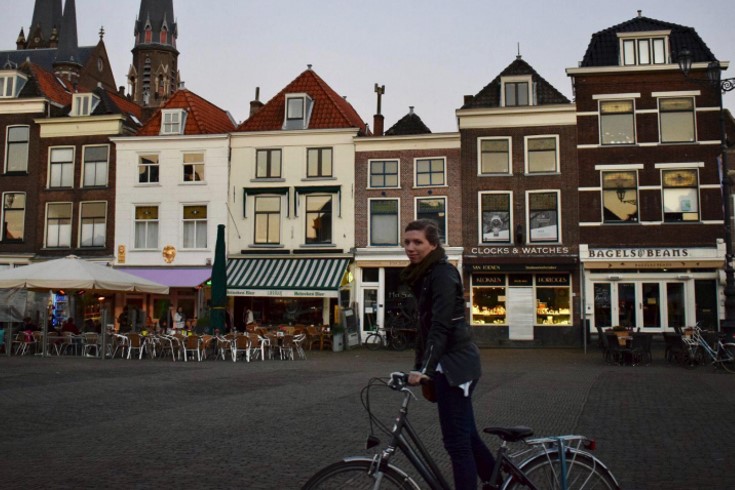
point(286, 290)
point(653, 289)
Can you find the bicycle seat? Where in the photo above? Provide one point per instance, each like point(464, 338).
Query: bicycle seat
point(510, 434)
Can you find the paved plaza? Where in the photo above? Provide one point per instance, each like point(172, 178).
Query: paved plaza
point(85, 423)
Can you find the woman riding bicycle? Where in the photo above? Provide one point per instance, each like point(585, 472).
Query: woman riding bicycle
point(445, 353)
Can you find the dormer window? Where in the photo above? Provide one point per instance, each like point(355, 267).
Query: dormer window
point(644, 48)
point(173, 121)
point(298, 111)
point(517, 91)
point(11, 83)
point(84, 104)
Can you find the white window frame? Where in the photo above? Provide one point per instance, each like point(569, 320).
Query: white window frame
point(83, 104)
point(94, 225)
point(194, 165)
point(528, 80)
point(97, 164)
point(529, 238)
point(430, 173)
point(693, 114)
point(11, 90)
point(479, 154)
point(70, 207)
point(557, 165)
point(3, 211)
point(176, 121)
point(384, 161)
point(146, 222)
point(65, 167)
point(639, 41)
point(8, 142)
point(398, 221)
point(298, 120)
point(417, 199)
point(197, 222)
point(511, 229)
point(148, 166)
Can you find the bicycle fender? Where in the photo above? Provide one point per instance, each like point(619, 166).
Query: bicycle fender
point(394, 468)
point(569, 454)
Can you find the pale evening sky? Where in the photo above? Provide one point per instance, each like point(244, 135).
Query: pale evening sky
point(428, 53)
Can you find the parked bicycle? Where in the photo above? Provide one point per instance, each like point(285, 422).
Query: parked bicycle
point(698, 349)
point(561, 462)
point(391, 338)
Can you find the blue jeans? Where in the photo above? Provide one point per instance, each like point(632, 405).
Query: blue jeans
point(469, 455)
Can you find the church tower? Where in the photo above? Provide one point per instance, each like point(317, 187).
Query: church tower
point(154, 75)
point(67, 62)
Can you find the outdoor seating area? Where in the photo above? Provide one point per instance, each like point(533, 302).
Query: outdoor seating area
point(261, 343)
point(624, 347)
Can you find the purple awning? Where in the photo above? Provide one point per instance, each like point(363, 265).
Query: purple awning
point(173, 277)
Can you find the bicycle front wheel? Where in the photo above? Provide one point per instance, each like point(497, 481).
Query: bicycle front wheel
point(727, 357)
point(358, 475)
point(398, 341)
point(373, 341)
point(584, 472)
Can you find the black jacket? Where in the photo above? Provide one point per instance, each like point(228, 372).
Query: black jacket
point(443, 336)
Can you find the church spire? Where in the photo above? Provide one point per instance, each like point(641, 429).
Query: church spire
point(46, 17)
point(67, 60)
point(154, 75)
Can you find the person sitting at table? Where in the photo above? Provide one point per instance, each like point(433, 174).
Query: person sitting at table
point(188, 327)
point(70, 326)
point(28, 325)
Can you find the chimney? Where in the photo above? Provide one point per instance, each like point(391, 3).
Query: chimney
point(256, 104)
point(121, 91)
point(378, 119)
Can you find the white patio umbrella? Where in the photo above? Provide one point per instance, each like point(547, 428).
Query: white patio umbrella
point(72, 272)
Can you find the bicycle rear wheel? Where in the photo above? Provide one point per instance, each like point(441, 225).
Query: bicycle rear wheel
point(357, 475)
point(373, 341)
point(398, 341)
point(727, 356)
point(584, 472)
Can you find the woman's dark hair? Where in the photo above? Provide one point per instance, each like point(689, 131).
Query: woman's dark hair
point(428, 227)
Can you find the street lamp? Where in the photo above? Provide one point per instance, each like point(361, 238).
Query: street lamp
point(714, 76)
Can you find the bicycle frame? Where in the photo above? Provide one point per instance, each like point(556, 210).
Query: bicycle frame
point(699, 341)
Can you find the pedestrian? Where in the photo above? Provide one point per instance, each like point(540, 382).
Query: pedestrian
point(445, 357)
point(179, 319)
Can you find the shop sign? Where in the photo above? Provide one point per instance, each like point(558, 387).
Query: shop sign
point(540, 251)
point(520, 280)
point(517, 267)
point(552, 280)
point(488, 279)
point(282, 293)
point(640, 253)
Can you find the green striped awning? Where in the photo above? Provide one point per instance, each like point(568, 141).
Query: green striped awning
point(287, 277)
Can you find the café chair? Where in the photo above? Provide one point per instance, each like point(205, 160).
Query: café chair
point(90, 342)
point(257, 346)
point(135, 342)
point(241, 347)
point(641, 348)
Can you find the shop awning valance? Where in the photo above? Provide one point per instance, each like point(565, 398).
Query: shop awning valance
point(287, 277)
point(174, 277)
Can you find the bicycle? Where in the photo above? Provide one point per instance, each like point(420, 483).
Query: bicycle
point(723, 354)
point(391, 338)
point(561, 462)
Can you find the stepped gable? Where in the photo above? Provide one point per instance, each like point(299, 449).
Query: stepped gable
point(202, 117)
point(409, 124)
point(330, 110)
point(489, 96)
point(604, 46)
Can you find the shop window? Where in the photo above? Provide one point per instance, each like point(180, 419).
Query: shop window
point(617, 122)
point(620, 197)
point(543, 217)
point(488, 299)
point(680, 195)
point(553, 306)
point(434, 209)
point(676, 119)
point(495, 217)
point(384, 222)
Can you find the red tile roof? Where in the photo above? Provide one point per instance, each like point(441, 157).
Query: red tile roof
point(51, 86)
point(330, 110)
point(125, 105)
point(203, 117)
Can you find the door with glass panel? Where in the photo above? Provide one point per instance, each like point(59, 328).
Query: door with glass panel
point(369, 320)
point(640, 305)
